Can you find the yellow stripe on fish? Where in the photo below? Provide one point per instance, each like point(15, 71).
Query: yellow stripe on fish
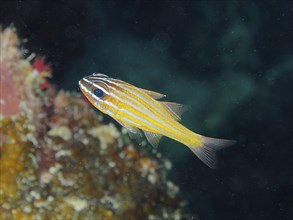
point(137, 109)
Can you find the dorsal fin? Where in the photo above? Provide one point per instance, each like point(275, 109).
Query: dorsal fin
point(175, 109)
point(152, 138)
point(154, 95)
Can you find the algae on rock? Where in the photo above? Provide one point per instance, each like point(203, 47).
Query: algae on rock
point(59, 160)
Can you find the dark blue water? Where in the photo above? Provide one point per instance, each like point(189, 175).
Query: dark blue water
point(231, 61)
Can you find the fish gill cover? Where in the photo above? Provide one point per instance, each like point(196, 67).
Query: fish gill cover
point(59, 160)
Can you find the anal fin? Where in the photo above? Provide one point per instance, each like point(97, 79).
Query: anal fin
point(153, 138)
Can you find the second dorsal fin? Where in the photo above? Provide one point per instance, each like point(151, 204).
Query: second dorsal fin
point(175, 109)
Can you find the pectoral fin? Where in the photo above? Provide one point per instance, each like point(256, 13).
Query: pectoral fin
point(134, 133)
point(154, 95)
point(152, 138)
point(175, 109)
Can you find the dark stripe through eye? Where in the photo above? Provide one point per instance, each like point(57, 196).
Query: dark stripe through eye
point(99, 93)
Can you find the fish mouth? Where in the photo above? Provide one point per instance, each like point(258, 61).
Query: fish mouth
point(82, 84)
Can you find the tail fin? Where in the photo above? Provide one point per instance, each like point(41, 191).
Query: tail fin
point(207, 152)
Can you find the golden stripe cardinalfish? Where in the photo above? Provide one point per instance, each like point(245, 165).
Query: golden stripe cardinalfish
point(137, 109)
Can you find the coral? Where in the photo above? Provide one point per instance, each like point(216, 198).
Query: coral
point(60, 160)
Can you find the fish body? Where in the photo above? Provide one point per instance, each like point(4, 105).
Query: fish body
point(139, 110)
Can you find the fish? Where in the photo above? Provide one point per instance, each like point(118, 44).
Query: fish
point(141, 111)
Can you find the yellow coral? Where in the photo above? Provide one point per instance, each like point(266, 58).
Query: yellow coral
point(14, 158)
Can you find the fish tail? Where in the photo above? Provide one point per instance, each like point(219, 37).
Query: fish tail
point(206, 149)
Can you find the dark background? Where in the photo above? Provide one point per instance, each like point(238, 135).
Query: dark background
point(231, 61)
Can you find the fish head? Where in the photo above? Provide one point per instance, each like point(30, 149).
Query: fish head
point(96, 90)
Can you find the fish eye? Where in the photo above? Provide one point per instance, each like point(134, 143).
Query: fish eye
point(99, 93)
